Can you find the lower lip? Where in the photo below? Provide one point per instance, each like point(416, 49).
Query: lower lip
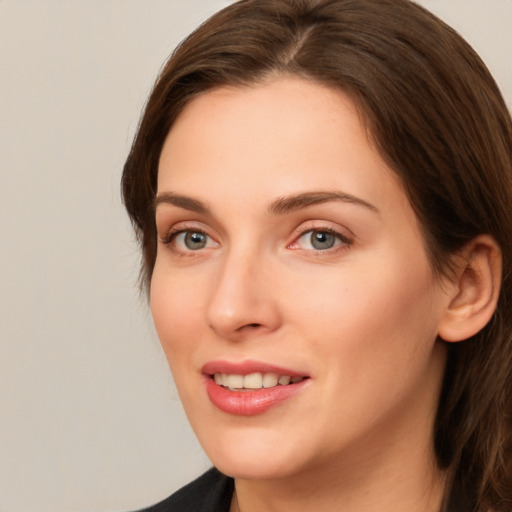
point(250, 403)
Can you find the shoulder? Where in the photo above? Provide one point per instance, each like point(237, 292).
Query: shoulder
point(211, 492)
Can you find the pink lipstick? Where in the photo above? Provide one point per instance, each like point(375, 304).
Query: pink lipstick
point(250, 387)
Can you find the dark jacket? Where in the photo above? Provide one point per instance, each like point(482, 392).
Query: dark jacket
point(211, 492)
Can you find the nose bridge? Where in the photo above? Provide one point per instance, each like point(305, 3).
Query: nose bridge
point(241, 299)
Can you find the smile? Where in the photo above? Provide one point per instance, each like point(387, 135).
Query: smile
point(253, 381)
point(250, 387)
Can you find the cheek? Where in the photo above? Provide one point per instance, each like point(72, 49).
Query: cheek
point(397, 325)
point(373, 344)
point(374, 316)
point(175, 307)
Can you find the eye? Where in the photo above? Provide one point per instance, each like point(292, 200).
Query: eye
point(320, 240)
point(189, 240)
point(193, 240)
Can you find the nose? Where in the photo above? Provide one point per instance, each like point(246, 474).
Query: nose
point(244, 300)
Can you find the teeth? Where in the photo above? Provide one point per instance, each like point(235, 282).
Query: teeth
point(253, 380)
point(235, 381)
point(270, 380)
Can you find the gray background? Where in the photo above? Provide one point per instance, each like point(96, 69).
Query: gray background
point(89, 418)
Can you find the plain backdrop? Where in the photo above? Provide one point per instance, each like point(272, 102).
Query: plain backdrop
point(89, 417)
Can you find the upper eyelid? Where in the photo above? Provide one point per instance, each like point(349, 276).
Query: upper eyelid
point(323, 225)
point(326, 230)
point(344, 240)
point(173, 232)
point(167, 226)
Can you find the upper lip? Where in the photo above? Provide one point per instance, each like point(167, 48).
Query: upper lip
point(246, 367)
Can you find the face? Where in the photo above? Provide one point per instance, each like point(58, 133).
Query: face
point(292, 293)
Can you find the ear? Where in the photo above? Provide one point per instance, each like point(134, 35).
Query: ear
point(473, 291)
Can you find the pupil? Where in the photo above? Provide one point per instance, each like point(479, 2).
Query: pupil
point(195, 240)
point(322, 240)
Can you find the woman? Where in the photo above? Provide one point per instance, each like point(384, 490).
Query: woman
point(322, 191)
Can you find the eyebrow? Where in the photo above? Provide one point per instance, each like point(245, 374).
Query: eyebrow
point(185, 202)
point(298, 201)
point(280, 206)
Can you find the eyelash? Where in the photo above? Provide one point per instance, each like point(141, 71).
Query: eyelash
point(174, 233)
point(344, 241)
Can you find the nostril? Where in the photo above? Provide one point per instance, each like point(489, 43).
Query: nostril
point(249, 327)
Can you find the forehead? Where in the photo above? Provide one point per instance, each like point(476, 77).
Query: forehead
point(280, 137)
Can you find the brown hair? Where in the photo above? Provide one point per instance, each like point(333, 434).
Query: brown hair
point(436, 116)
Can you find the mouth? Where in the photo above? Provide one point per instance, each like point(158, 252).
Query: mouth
point(250, 388)
point(254, 381)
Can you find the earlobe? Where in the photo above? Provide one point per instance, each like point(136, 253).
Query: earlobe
point(474, 290)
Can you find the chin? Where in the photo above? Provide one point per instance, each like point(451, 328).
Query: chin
point(249, 469)
point(251, 456)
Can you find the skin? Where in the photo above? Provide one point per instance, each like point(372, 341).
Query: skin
point(361, 319)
